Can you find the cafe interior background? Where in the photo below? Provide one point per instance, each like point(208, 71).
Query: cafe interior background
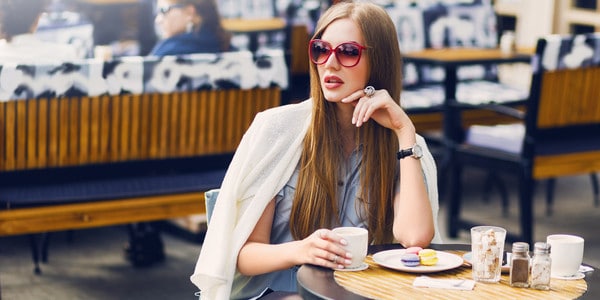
point(123, 28)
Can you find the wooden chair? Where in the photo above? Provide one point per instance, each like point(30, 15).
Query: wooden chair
point(561, 122)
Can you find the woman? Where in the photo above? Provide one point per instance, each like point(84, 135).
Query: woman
point(303, 169)
point(189, 26)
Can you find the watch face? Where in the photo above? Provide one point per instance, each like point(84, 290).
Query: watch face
point(417, 151)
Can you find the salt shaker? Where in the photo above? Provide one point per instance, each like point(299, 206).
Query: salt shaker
point(540, 266)
point(519, 265)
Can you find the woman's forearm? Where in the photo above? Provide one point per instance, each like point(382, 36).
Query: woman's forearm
point(259, 258)
point(413, 219)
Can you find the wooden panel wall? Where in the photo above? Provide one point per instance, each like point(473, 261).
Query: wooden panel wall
point(42, 133)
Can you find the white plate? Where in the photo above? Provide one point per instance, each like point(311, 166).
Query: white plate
point(504, 269)
point(391, 259)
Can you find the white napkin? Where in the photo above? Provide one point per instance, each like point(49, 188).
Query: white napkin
point(452, 284)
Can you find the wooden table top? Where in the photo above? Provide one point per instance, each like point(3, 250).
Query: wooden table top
point(466, 56)
point(378, 282)
point(253, 25)
point(381, 283)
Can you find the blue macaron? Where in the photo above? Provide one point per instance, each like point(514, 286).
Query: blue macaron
point(410, 259)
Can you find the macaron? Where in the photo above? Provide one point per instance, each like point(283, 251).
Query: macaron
point(410, 259)
point(428, 257)
point(413, 250)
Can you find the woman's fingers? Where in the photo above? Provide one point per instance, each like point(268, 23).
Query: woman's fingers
point(366, 106)
point(328, 250)
point(379, 106)
point(365, 109)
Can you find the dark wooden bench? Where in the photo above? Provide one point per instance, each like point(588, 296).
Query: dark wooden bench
point(78, 161)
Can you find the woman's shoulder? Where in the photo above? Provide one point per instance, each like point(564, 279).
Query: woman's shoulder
point(300, 109)
point(186, 43)
point(285, 117)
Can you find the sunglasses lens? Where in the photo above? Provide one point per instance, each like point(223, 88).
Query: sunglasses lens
point(348, 54)
point(319, 52)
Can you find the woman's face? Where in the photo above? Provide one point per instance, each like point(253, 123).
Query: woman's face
point(337, 81)
point(171, 18)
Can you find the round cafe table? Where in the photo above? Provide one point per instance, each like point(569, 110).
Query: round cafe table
point(319, 283)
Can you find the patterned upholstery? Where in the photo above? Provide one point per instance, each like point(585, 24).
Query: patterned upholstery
point(439, 25)
point(139, 75)
point(569, 52)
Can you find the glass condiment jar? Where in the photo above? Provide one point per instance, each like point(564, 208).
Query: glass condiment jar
point(507, 42)
point(519, 265)
point(541, 264)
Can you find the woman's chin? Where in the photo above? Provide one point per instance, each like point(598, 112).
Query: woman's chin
point(333, 97)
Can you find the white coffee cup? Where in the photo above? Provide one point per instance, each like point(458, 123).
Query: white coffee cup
point(358, 243)
point(566, 252)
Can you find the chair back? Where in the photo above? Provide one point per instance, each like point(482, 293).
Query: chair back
point(210, 198)
point(563, 114)
point(425, 25)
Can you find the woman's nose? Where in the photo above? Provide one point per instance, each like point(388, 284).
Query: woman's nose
point(332, 61)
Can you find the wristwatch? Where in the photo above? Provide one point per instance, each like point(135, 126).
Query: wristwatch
point(415, 151)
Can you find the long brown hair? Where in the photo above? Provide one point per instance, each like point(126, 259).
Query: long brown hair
point(211, 20)
point(315, 203)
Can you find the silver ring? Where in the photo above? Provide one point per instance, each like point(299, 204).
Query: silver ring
point(369, 91)
point(334, 260)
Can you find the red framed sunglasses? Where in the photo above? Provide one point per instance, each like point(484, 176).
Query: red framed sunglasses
point(347, 54)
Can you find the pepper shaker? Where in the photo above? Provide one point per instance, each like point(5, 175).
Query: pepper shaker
point(519, 265)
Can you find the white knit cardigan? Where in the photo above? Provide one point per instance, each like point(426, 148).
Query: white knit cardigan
point(262, 164)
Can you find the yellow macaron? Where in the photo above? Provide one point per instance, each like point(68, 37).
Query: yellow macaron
point(428, 257)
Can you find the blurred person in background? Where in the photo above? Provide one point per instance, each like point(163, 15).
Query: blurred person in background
point(189, 26)
point(184, 27)
point(18, 43)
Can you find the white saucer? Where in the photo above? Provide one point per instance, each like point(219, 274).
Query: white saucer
point(579, 275)
point(364, 266)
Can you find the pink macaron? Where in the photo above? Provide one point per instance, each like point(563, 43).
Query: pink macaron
point(413, 250)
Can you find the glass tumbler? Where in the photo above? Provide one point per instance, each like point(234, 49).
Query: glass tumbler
point(487, 246)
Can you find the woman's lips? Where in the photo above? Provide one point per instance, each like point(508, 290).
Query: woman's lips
point(331, 82)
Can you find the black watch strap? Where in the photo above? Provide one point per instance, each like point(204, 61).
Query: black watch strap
point(404, 153)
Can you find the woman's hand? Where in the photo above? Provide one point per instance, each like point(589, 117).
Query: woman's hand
point(380, 107)
point(325, 248)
